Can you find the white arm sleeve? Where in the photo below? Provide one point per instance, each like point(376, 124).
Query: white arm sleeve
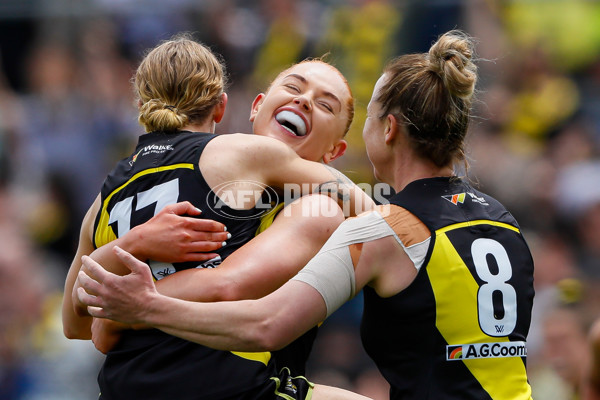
point(331, 271)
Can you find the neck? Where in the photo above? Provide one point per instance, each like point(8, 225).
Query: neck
point(205, 127)
point(412, 170)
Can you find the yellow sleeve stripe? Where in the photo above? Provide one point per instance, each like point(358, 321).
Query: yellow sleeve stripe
point(103, 233)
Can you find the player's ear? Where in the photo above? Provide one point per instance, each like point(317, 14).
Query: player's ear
point(256, 106)
point(391, 129)
point(220, 108)
point(336, 151)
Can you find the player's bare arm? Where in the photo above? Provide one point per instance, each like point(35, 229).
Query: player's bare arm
point(76, 321)
point(270, 162)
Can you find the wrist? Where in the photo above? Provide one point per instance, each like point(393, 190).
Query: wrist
point(150, 315)
point(130, 243)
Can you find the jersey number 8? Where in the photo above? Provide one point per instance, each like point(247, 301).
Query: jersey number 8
point(489, 320)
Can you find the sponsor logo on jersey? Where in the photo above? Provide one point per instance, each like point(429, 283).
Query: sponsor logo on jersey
point(151, 149)
point(454, 352)
point(459, 198)
point(161, 269)
point(485, 350)
point(212, 263)
point(134, 158)
point(455, 198)
point(478, 199)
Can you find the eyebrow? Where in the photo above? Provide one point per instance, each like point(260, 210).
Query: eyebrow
point(324, 93)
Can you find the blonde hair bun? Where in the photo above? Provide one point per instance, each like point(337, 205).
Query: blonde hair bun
point(451, 59)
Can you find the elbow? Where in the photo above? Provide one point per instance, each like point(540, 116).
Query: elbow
point(81, 328)
point(274, 342)
point(230, 288)
point(71, 333)
point(269, 335)
point(229, 291)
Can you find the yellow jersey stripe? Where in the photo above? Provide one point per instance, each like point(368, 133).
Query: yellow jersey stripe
point(262, 357)
point(103, 233)
point(477, 222)
point(457, 318)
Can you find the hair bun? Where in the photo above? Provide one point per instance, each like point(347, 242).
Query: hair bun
point(451, 59)
point(157, 113)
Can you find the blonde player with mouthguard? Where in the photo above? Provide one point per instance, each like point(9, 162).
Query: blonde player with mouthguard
point(446, 272)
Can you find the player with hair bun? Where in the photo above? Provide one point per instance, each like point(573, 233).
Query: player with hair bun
point(177, 168)
point(446, 272)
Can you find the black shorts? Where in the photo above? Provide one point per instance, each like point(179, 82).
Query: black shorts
point(280, 387)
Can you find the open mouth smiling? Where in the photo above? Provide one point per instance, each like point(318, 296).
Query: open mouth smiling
point(292, 122)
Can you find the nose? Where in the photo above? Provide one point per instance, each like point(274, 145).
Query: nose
point(303, 102)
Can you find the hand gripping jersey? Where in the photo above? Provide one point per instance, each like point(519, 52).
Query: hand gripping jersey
point(458, 331)
point(149, 364)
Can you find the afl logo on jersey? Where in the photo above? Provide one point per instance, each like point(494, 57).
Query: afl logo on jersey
point(227, 197)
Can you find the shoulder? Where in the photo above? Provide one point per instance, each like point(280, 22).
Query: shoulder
point(249, 146)
point(406, 226)
point(244, 157)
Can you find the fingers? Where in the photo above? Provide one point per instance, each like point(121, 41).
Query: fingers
point(90, 278)
point(217, 238)
point(208, 225)
point(182, 208)
point(135, 266)
point(94, 270)
point(97, 312)
point(201, 242)
point(88, 290)
point(198, 257)
point(86, 298)
point(186, 208)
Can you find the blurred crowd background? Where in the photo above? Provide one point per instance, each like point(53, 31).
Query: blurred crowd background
point(67, 114)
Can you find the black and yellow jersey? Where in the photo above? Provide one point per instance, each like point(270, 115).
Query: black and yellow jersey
point(459, 330)
point(149, 364)
point(164, 170)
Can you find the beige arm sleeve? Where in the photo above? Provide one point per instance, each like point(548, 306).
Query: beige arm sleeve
point(331, 271)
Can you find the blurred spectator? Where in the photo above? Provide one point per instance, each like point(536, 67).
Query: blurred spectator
point(360, 37)
point(77, 111)
point(66, 115)
point(21, 294)
point(578, 200)
point(566, 352)
point(555, 270)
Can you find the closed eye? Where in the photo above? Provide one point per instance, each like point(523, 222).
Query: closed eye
point(292, 87)
point(327, 107)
